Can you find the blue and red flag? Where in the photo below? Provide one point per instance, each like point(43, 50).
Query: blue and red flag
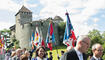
point(32, 39)
point(50, 36)
point(69, 36)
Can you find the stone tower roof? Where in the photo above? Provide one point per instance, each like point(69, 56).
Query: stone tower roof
point(24, 9)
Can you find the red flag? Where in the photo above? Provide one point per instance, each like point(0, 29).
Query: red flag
point(50, 36)
point(73, 37)
point(49, 45)
point(42, 43)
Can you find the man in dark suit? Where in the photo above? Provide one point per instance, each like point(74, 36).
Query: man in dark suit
point(97, 52)
point(78, 52)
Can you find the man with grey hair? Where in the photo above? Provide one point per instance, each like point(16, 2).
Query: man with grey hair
point(78, 52)
point(97, 52)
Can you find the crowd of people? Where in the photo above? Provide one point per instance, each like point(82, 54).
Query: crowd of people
point(76, 53)
point(79, 51)
point(17, 54)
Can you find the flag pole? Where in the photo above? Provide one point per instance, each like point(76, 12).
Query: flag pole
point(57, 51)
point(55, 45)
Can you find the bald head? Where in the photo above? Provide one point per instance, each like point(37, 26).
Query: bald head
point(83, 43)
point(97, 50)
point(95, 46)
point(83, 38)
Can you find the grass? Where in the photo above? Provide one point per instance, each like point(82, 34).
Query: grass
point(54, 51)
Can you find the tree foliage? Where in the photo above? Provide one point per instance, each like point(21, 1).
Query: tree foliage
point(96, 37)
point(5, 33)
point(103, 38)
point(61, 30)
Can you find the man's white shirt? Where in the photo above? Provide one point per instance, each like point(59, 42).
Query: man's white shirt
point(79, 54)
point(96, 58)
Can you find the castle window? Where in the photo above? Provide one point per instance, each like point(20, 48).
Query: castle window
point(22, 12)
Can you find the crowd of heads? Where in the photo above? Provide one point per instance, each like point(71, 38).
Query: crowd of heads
point(82, 44)
point(17, 54)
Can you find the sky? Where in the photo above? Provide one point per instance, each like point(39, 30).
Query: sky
point(85, 15)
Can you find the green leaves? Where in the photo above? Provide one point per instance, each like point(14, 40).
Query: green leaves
point(96, 37)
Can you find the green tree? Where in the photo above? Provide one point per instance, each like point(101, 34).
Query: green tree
point(61, 29)
point(6, 34)
point(95, 37)
point(103, 38)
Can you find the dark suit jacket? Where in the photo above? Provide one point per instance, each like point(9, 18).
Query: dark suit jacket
point(72, 55)
point(92, 58)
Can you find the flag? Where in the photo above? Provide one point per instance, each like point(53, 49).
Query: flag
point(50, 36)
point(69, 36)
point(41, 40)
point(32, 39)
point(0, 42)
point(37, 37)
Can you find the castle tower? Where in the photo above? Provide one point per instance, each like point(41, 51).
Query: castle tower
point(23, 27)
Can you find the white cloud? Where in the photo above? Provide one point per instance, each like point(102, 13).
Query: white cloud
point(82, 29)
point(95, 20)
point(95, 4)
point(95, 26)
point(103, 15)
point(9, 5)
point(13, 6)
point(81, 11)
point(5, 25)
point(35, 16)
point(25, 2)
point(51, 11)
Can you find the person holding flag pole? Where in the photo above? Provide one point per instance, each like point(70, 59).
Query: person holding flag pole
point(50, 39)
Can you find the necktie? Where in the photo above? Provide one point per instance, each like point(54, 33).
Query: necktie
point(81, 58)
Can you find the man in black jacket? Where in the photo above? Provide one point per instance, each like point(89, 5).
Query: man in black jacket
point(97, 52)
point(78, 52)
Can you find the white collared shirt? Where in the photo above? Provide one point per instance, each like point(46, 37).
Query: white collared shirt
point(79, 54)
point(38, 58)
point(96, 58)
